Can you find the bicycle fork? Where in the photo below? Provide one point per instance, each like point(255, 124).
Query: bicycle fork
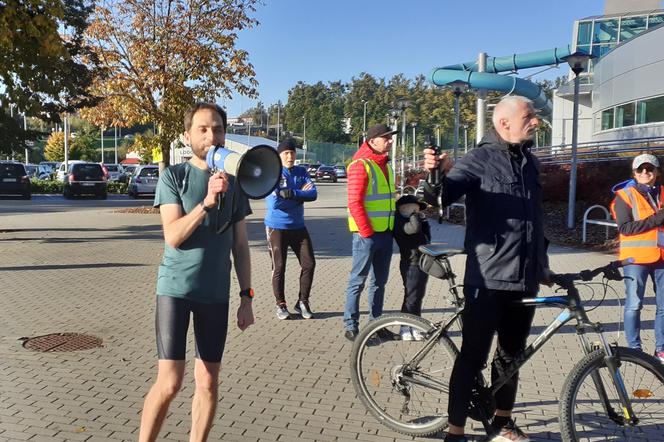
point(612, 364)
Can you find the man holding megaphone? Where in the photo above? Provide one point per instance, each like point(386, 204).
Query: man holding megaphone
point(194, 274)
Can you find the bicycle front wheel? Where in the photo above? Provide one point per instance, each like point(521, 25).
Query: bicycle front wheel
point(407, 397)
point(585, 414)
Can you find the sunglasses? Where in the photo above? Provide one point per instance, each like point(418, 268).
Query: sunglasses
point(645, 168)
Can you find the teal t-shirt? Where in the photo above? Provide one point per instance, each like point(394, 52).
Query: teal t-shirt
point(200, 268)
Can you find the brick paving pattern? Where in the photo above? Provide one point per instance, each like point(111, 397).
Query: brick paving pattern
point(94, 272)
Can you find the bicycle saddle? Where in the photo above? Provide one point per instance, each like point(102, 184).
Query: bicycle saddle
point(439, 250)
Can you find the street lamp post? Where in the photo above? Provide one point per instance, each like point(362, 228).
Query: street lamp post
point(364, 121)
point(402, 105)
point(395, 113)
point(458, 88)
point(25, 129)
point(578, 62)
point(465, 138)
point(304, 139)
point(278, 119)
point(414, 124)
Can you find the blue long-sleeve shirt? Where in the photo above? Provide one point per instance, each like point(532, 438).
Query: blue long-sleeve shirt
point(288, 214)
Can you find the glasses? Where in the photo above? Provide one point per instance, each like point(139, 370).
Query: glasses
point(645, 169)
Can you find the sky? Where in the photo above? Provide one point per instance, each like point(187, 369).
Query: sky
point(318, 40)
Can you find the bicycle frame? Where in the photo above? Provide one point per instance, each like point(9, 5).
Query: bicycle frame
point(572, 309)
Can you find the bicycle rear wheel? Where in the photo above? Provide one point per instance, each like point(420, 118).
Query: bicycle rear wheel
point(410, 399)
point(583, 415)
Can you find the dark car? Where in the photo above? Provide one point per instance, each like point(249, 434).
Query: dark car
point(14, 179)
point(326, 173)
point(312, 170)
point(85, 179)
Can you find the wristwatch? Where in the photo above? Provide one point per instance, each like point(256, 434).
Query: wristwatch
point(249, 293)
point(206, 208)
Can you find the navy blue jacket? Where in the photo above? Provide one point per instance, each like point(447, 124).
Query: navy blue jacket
point(504, 242)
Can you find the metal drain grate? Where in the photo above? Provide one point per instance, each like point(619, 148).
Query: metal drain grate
point(62, 342)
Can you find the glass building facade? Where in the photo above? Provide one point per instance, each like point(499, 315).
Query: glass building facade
point(598, 35)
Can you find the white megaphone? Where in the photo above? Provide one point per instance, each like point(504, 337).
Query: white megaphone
point(256, 169)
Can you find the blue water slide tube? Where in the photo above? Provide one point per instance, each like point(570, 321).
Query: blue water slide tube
point(508, 84)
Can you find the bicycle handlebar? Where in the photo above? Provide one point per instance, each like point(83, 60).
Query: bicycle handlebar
point(610, 271)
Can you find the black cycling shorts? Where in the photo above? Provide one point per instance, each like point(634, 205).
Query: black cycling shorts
point(172, 323)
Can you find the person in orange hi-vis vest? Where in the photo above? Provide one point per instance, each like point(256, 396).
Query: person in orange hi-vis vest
point(639, 213)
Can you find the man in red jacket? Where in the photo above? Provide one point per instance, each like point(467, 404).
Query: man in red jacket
point(371, 219)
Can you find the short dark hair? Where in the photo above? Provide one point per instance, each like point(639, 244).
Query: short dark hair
point(189, 115)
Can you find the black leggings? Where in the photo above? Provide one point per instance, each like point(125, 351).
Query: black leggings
point(278, 242)
point(172, 322)
point(486, 312)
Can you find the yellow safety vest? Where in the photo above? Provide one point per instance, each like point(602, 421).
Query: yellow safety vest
point(378, 198)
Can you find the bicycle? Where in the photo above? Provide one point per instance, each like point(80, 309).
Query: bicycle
point(612, 393)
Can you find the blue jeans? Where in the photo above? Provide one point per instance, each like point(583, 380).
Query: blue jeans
point(369, 254)
point(634, 292)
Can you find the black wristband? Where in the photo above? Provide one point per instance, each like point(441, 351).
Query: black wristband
point(205, 208)
point(249, 293)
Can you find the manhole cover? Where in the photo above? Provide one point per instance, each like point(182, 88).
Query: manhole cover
point(62, 342)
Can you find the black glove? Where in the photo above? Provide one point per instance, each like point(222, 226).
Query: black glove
point(287, 194)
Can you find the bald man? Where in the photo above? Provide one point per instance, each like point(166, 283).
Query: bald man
point(506, 258)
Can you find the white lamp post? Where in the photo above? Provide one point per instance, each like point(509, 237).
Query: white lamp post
point(414, 124)
point(364, 121)
point(578, 62)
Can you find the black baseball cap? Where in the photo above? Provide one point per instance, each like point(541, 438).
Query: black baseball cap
point(379, 130)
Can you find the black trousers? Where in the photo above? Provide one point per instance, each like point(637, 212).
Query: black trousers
point(414, 287)
point(278, 242)
point(487, 312)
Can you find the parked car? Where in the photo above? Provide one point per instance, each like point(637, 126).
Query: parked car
point(61, 173)
point(85, 179)
point(144, 181)
point(326, 173)
point(129, 170)
point(312, 170)
point(53, 165)
point(39, 171)
point(14, 179)
point(114, 172)
point(341, 171)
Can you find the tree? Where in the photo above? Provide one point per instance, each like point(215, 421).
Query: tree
point(162, 56)
point(81, 147)
point(43, 73)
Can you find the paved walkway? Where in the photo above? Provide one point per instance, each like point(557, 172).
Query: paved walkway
point(94, 273)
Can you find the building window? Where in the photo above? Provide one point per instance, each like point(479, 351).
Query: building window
point(631, 27)
point(655, 20)
point(607, 119)
point(605, 31)
point(625, 115)
point(650, 111)
point(584, 33)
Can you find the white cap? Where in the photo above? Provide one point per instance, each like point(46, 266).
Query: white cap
point(643, 159)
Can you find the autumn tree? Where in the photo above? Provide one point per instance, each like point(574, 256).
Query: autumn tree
point(162, 56)
point(43, 73)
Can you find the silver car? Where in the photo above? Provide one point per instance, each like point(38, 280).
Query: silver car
point(115, 171)
point(144, 181)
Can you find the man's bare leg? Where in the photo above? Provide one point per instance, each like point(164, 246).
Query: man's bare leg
point(204, 404)
point(169, 381)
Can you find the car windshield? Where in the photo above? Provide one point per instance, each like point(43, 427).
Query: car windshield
point(340, 168)
point(150, 172)
point(92, 170)
point(31, 169)
point(325, 169)
point(12, 170)
point(111, 167)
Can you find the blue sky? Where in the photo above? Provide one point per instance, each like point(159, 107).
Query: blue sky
point(317, 40)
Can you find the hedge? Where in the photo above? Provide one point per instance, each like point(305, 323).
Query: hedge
point(55, 187)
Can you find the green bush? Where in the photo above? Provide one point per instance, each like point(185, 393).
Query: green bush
point(46, 186)
point(52, 186)
point(115, 187)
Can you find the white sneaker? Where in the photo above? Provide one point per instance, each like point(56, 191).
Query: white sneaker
point(417, 334)
point(405, 333)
